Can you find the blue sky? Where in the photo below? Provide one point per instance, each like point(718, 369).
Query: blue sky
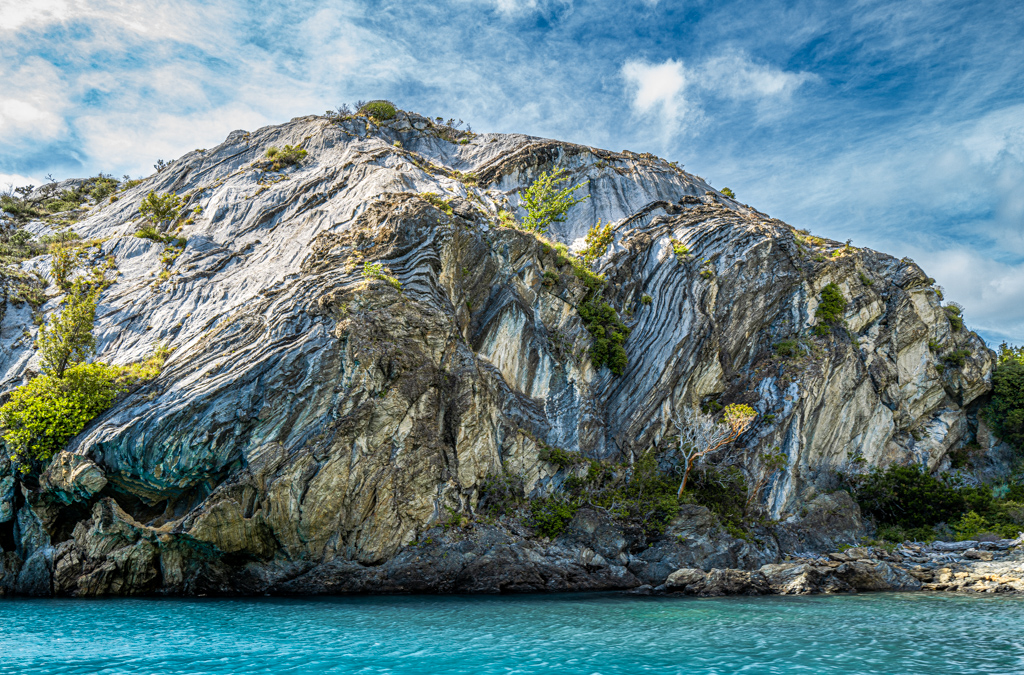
point(897, 125)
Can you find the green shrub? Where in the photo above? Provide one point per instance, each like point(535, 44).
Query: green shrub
point(934, 345)
point(438, 202)
point(971, 526)
point(550, 279)
point(955, 316)
point(379, 110)
point(66, 339)
point(707, 274)
point(596, 242)
point(559, 457)
point(376, 270)
point(608, 332)
point(788, 348)
point(551, 515)
point(957, 357)
point(1005, 411)
point(64, 260)
point(728, 193)
point(680, 249)
point(546, 204)
point(286, 156)
point(40, 417)
point(646, 299)
point(908, 496)
point(833, 304)
point(865, 280)
point(160, 208)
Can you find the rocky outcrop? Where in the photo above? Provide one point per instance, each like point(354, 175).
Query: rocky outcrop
point(312, 424)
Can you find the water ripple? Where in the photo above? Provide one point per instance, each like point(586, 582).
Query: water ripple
point(570, 634)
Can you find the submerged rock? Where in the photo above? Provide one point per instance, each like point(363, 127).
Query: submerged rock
point(313, 422)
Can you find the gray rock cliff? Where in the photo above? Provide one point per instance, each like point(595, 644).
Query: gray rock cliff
point(312, 428)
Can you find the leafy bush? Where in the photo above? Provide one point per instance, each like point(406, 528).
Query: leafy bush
point(934, 345)
point(64, 260)
point(286, 156)
point(728, 193)
point(1005, 412)
point(680, 249)
point(908, 496)
point(646, 299)
point(957, 357)
point(788, 348)
point(379, 110)
point(40, 417)
point(608, 332)
point(546, 204)
point(438, 202)
point(833, 304)
point(865, 280)
point(160, 208)
point(955, 316)
point(376, 270)
point(67, 339)
point(551, 515)
point(596, 242)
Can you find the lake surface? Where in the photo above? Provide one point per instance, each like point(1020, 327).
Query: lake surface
point(585, 634)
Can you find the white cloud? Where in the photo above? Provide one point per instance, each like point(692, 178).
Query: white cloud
point(32, 104)
point(663, 87)
point(658, 87)
point(736, 76)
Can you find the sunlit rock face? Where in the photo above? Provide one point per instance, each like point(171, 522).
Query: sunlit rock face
point(311, 416)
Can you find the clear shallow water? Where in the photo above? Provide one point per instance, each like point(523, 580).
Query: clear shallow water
point(586, 634)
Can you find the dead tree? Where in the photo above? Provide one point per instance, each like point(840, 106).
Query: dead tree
point(700, 435)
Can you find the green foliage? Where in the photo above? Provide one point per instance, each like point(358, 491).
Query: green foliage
point(908, 496)
point(41, 416)
point(550, 515)
point(379, 110)
point(503, 494)
point(596, 242)
point(376, 270)
point(957, 357)
point(608, 332)
point(64, 260)
point(728, 193)
point(865, 280)
point(506, 219)
point(955, 316)
point(286, 156)
point(558, 456)
point(833, 304)
point(934, 345)
point(441, 204)
point(67, 339)
point(1005, 412)
point(972, 525)
point(546, 202)
point(680, 249)
point(160, 208)
point(550, 279)
point(788, 348)
point(646, 299)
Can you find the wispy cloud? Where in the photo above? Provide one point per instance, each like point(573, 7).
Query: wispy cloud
point(670, 91)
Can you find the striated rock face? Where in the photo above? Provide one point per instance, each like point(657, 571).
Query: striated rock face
point(311, 423)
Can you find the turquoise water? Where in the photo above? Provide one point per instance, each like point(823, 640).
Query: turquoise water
point(586, 634)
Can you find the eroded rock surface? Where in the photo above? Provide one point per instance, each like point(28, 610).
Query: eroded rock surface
point(312, 424)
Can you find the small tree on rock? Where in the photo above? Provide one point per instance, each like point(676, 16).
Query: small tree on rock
point(700, 435)
point(546, 203)
point(159, 209)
